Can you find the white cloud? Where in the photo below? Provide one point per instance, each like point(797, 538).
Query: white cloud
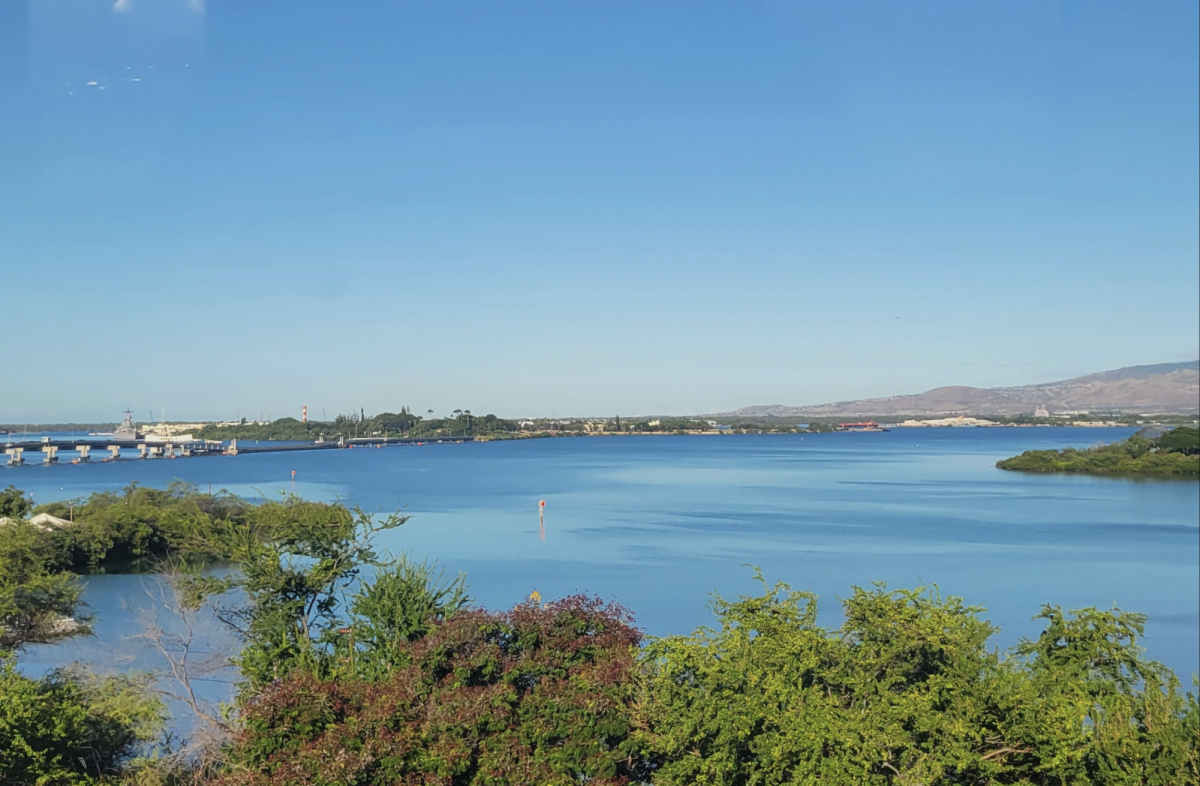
point(122, 6)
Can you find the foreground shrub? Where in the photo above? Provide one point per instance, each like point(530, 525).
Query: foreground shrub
point(37, 604)
point(71, 730)
point(908, 692)
point(535, 695)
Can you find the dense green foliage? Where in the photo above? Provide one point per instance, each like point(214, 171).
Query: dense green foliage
point(38, 601)
point(907, 691)
point(386, 424)
point(138, 527)
point(1185, 440)
point(535, 695)
point(398, 606)
point(286, 429)
point(294, 562)
point(118, 528)
point(299, 599)
point(675, 425)
point(13, 503)
point(67, 728)
point(70, 729)
point(1175, 453)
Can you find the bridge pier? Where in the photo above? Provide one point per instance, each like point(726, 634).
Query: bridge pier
point(142, 450)
point(114, 452)
point(85, 452)
point(232, 450)
point(16, 456)
point(51, 455)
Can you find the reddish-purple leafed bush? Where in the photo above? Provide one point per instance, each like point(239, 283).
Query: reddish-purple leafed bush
point(535, 695)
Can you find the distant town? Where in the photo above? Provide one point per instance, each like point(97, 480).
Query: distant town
point(462, 423)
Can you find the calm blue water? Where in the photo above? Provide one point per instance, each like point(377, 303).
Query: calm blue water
point(658, 523)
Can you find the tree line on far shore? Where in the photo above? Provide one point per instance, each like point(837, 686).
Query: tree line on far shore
point(360, 668)
point(460, 423)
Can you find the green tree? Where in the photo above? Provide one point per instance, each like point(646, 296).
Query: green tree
point(66, 728)
point(293, 561)
point(69, 729)
point(1183, 440)
point(399, 605)
point(13, 504)
point(1091, 709)
point(908, 691)
point(38, 603)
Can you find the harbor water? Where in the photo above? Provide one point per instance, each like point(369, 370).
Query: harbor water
point(658, 523)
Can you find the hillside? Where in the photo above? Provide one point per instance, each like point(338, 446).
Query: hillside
point(1164, 388)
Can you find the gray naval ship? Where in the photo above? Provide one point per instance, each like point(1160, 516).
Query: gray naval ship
point(127, 429)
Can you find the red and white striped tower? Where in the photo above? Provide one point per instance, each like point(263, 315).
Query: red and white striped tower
point(304, 414)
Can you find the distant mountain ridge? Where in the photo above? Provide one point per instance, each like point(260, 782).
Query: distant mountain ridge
point(1162, 388)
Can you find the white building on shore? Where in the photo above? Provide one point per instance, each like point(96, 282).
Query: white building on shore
point(960, 421)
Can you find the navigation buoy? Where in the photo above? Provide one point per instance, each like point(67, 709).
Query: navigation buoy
point(293, 474)
point(542, 519)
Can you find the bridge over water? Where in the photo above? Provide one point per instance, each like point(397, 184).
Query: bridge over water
point(117, 449)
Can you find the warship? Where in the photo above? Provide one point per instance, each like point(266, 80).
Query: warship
point(127, 429)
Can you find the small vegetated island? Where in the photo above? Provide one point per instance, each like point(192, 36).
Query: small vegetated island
point(357, 668)
point(1175, 453)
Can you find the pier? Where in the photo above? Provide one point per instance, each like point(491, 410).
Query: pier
point(48, 449)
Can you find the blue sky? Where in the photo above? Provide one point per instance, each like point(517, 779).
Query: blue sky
point(586, 208)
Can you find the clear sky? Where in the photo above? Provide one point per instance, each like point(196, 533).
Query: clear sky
point(586, 207)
